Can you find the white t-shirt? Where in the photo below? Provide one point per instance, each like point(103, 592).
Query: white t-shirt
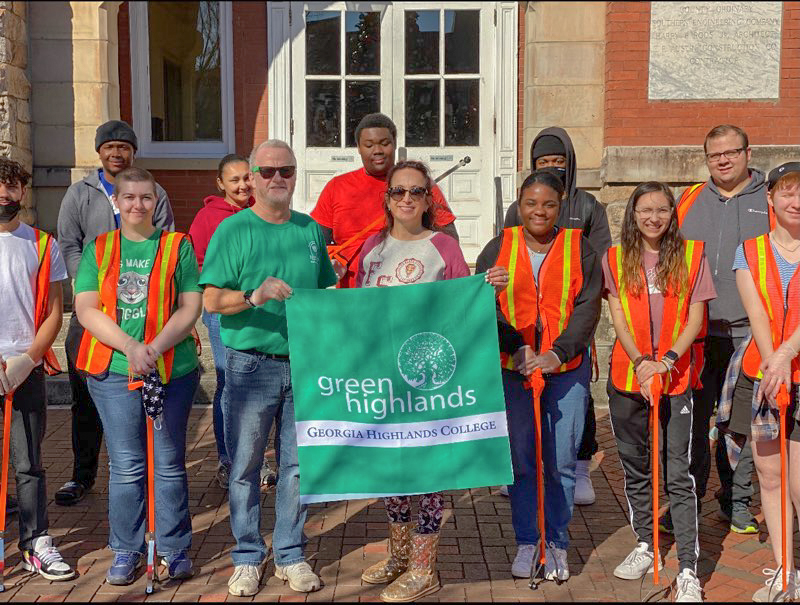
point(19, 265)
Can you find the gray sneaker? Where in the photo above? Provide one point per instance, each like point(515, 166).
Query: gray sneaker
point(688, 588)
point(636, 564)
point(268, 476)
point(223, 475)
point(555, 564)
point(245, 581)
point(772, 591)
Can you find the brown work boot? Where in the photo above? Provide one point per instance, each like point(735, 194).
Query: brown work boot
point(399, 552)
point(421, 578)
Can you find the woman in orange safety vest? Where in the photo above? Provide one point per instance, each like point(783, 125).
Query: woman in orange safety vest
point(657, 285)
point(138, 298)
point(546, 319)
point(769, 284)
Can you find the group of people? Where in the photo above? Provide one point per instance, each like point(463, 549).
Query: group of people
point(703, 293)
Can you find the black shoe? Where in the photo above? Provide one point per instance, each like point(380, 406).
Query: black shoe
point(71, 493)
point(665, 524)
point(12, 506)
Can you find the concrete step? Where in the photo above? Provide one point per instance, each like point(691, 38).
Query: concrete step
point(58, 390)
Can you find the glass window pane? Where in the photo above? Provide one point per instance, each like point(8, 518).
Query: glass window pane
point(185, 73)
point(461, 42)
point(323, 102)
point(322, 43)
point(361, 98)
point(422, 42)
point(363, 43)
point(422, 113)
point(461, 115)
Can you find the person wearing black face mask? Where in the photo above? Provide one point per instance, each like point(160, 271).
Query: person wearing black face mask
point(552, 149)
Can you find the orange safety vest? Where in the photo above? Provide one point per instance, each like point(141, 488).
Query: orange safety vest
point(560, 281)
point(782, 321)
point(637, 318)
point(44, 245)
point(94, 357)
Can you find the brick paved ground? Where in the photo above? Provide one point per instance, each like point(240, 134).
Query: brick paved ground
point(477, 543)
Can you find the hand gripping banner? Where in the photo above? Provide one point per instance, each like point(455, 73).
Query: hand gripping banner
point(397, 391)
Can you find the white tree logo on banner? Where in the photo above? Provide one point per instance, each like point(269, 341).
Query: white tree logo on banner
point(426, 361)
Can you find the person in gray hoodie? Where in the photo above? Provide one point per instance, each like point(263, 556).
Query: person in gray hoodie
point(728, 209)
point(86, 212)
point(552, 148)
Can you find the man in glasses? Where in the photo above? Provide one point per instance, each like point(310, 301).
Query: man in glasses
point(350, 207)
point(254, 259)
point(723, 212)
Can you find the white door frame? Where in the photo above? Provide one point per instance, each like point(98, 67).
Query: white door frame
point(285, 21)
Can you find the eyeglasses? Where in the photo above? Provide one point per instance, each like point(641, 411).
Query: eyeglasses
point(648, 212)
point(731, 154)
point(398, 194)
point(267, 172)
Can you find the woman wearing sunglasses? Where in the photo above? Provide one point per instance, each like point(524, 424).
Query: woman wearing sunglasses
point(657, 285)
point(409, 251)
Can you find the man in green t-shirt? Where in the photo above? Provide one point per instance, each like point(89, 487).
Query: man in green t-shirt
point(254, 259)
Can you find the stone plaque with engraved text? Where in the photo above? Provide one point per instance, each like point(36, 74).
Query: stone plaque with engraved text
point(715, 50)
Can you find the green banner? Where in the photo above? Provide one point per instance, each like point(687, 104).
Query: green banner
point(397, 390)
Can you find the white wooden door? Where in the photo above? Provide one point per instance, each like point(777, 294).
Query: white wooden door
point(430, 66)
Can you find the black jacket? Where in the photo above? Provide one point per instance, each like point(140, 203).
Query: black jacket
point(580, 329)
point(580, 210)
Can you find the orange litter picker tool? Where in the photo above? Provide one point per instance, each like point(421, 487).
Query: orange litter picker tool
point(783, 404)
point(537, 385)
point(655, 396)
point(4, 484)
point(150, 535)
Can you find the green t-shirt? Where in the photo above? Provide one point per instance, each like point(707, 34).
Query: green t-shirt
point(243, 252)
point(136, 262)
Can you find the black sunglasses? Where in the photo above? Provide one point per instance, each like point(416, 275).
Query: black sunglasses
point(267, 172)
point(399, 193)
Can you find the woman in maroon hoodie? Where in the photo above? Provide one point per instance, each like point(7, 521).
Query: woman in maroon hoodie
point(234, 182)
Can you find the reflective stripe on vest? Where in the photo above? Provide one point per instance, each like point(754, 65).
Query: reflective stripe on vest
point(44, 245)
point(560, 279)
point(636, 310)
point(782, 321)
point(94, 357)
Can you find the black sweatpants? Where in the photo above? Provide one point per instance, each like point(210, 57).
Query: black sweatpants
point(87, 430)
point(630, 421)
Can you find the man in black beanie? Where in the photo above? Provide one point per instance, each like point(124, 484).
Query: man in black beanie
point(87, 211)
point(552, 149)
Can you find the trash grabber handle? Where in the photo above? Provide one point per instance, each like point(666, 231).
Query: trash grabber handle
point(151, 507)
point(783, 403)
point(537, 386)
point(655, 396)
point(8, 403)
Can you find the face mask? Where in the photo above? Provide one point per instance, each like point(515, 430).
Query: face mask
point(8, 212)
point(561, 173)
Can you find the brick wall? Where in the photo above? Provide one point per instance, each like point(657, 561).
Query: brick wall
point(630, 119)
point(187, 188)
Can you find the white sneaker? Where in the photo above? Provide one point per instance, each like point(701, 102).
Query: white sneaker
point(521, 567)
point(636, 564)
point(300, 575)
point(555, 564)
point(584, 491)
point(245, 581)
point(504, 490)
point(688, 588)
point(772, 591)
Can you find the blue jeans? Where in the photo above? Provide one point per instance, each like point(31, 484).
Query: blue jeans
point(123, 418)
point(211, 322)
point(564, 402)
point(258, 391)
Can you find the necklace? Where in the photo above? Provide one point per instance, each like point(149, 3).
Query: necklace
point(777, 243)
point(542, 247)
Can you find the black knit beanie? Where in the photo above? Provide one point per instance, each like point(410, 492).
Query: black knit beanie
point(115, 130)
point(548, 144)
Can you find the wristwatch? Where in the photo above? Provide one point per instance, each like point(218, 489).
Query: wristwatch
point(247, 295)
point(671, 355)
